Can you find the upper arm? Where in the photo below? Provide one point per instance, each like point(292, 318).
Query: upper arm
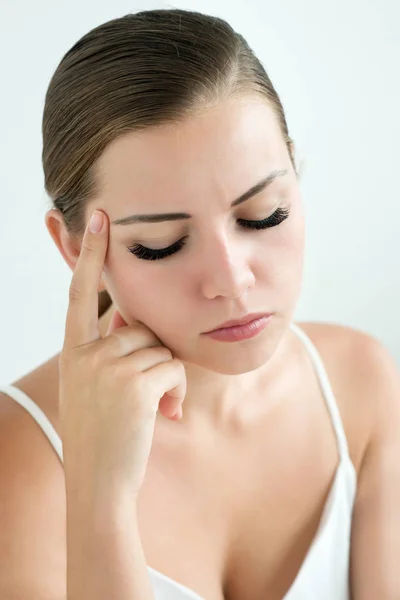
point(375, 543)
point(32, 510)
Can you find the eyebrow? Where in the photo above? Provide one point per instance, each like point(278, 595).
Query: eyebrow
point(159, 217)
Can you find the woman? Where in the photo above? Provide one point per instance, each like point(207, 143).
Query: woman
point(201, 459)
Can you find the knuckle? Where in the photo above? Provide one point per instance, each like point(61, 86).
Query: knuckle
point(113, 337)
point(119, 370)
point(138, 384)
point(116, 343)
point(74, 292)
point(165, 352)
point(98, 357)
point(87, 249)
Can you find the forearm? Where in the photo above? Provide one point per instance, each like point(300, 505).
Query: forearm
point(105, 557)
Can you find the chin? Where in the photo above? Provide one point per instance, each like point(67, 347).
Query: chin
point(233, 358)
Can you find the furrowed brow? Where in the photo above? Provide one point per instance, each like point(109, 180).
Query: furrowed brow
point(177, 216)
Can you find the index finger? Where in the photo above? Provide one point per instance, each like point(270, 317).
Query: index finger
point(82, 322)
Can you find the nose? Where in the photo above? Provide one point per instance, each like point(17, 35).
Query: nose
point(226, 270)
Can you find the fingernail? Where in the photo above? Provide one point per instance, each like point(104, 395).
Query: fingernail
point(96, 221)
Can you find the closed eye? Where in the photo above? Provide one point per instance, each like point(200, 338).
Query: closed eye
point(145, 253)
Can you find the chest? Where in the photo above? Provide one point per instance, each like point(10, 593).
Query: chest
point(235, 519)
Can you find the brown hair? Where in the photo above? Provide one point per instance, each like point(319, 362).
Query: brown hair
point(141, 70)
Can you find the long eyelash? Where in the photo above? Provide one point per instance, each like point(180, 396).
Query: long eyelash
point(150, 254)
point(275, 219)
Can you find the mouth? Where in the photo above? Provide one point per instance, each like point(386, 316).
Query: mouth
point(237, 322)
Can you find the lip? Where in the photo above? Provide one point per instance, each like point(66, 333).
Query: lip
point(243, 321)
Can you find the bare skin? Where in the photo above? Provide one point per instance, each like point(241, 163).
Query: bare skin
point(228, 514)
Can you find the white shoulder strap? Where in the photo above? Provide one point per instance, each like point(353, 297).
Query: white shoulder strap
point(326, 389)
point(38, 415)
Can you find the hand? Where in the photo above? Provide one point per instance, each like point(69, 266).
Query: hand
point(111, 387)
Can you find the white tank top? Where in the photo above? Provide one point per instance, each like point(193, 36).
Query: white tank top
point(324, 573)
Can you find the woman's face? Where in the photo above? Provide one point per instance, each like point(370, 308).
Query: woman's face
point(222, 270)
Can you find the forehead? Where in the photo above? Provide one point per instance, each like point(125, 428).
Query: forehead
point(221, 147)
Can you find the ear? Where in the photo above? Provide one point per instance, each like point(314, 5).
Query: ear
point(68, 244)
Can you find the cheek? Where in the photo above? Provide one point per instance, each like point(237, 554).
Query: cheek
point(293, 235)
point(284, 246)
point(138, 288)
point(291, 264)
point(294, 240)
point(280, 260)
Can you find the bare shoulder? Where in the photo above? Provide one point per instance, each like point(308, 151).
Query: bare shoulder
point(335, 333)
point(32, 499)
point(363, 375)
point(356, 353)
point(40, 384)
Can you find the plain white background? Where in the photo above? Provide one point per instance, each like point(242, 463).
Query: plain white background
point(335, 65)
